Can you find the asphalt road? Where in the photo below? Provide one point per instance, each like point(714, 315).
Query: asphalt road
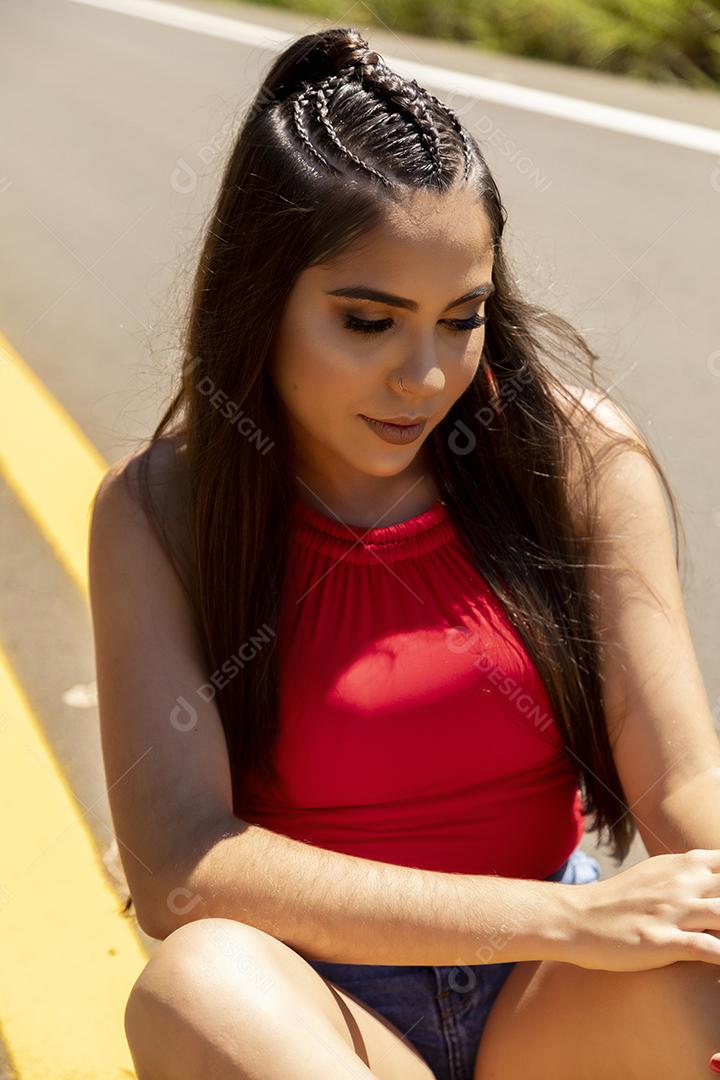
point(114, 130)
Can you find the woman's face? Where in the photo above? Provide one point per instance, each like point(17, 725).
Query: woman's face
point(432, 251)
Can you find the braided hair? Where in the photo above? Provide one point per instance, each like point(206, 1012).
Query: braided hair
point(323, 125)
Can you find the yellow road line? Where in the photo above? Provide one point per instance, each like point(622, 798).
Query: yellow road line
point(69, 958)
point(47, 460)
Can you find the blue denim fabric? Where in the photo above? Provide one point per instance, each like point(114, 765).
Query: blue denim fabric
point(442, 1010)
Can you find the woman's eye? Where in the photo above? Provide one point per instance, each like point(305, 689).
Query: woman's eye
point(367, 327)
point(377, 326)
point(463, 325)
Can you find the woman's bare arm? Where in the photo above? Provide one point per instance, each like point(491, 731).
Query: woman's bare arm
point(335, 907)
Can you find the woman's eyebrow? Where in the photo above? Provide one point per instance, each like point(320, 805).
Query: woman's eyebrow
point(364, 292)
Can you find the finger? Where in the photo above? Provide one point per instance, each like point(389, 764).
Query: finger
point(700, 947)
point(711, 856)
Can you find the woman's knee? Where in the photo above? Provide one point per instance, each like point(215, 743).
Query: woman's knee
point(200, 966)
point(208, 977)
point(205, 953)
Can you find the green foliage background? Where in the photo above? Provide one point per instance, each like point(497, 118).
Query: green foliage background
point(658, 40)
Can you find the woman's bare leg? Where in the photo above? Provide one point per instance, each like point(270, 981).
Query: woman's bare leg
point(220, 1000)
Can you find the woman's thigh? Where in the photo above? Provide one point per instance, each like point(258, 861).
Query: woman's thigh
point(221, 986)
point(557, 1021)
point(441, 1010)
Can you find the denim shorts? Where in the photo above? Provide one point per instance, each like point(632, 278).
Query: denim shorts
point(441, 1011)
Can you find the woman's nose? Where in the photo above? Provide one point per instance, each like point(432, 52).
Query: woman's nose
point(422, 373)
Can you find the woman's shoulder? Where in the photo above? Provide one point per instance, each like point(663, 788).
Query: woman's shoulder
point(151, 483)
point(159, 468)
point(605, 432)
point(592, 410)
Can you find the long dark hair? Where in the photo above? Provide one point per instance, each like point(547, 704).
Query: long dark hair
point(332, 137)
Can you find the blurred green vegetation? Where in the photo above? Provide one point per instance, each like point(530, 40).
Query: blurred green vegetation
point(658, 40)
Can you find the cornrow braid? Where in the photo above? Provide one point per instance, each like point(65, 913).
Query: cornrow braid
point(321, 99)
point(300, 99)
point(459, 127)
point(379, 74)
point(409, 97)
point(304, 96)
point(370, 67)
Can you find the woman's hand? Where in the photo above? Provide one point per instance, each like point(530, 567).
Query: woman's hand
point(664, 909)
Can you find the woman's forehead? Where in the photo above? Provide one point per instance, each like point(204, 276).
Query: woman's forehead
point(447, 227)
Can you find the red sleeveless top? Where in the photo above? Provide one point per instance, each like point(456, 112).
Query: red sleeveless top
point(414, 727)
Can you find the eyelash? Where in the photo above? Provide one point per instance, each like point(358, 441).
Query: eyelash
point(377, 326)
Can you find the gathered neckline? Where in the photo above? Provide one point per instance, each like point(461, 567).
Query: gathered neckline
point(422, 532)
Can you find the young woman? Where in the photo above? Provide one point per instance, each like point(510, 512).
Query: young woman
point(382, 611)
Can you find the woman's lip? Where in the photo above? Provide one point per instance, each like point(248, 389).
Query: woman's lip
point(393, 423)
point(395, 433)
